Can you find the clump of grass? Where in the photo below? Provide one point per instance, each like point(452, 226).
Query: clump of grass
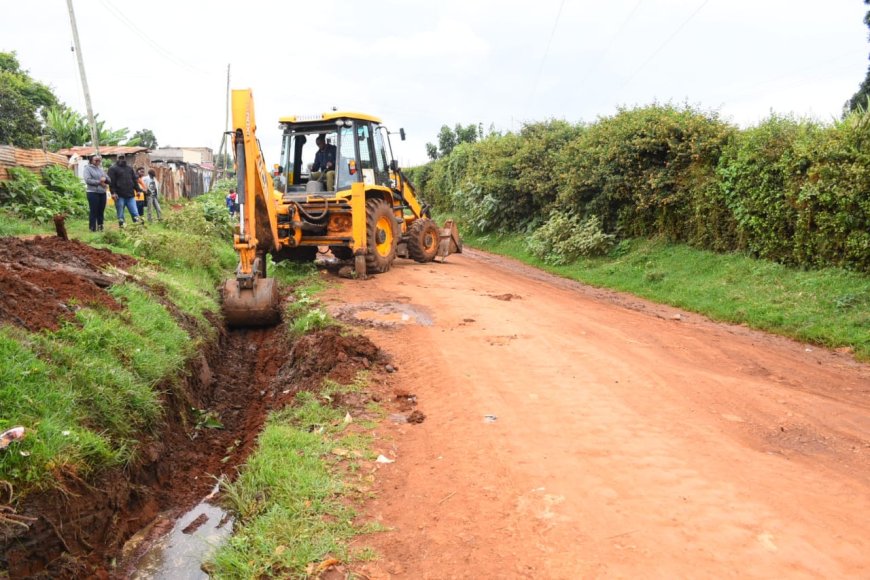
point(306, 313)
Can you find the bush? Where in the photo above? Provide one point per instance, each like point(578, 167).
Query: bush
point(793, 191)
point(798, 191)
point(637, 170)
point(28, 197)
point(565, 237)
point(206, 215)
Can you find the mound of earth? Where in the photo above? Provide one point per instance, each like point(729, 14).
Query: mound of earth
point(44, 279)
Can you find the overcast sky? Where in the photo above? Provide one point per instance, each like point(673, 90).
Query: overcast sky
point(162, 64)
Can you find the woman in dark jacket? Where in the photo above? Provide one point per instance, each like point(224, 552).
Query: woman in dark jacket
point(96, 181)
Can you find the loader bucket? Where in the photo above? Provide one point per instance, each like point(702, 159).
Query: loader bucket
point(449, 240)
point(249, 307)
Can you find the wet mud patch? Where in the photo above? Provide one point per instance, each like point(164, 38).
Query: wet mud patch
point(44, 280)
point(382, 314)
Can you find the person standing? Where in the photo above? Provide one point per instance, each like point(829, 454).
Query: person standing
point(232, 202)
point(151, 191)
point(96, 181)
point(139, 196)
point(124, 185)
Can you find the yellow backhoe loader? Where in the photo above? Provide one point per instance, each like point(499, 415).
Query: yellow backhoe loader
point(338, 187)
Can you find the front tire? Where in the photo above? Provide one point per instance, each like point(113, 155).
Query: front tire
point(423, 238)
point(381, 239)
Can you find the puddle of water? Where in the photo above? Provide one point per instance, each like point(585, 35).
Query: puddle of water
point(177, 555)
point(384, 314)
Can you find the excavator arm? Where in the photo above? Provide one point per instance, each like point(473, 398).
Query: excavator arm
point(251, 299)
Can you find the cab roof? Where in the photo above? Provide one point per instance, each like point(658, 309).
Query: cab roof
point(330, 116)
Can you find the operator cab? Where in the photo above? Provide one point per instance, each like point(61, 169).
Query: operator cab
point(362, 153)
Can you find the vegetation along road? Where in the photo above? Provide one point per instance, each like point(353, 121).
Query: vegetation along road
point(573, 432)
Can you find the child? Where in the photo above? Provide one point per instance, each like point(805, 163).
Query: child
point(232, 202)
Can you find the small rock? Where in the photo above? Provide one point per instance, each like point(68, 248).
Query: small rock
point(416, 417)
point(384, 459)
point(390, 369)
point(677, 317)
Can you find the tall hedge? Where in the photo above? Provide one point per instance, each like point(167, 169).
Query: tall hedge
point(790, 190)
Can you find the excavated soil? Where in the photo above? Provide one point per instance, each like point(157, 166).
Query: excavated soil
point(78, 529)
point(44, 279)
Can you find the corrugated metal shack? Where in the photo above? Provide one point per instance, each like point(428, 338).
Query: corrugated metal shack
point(180, 171)
point(32, 159)
point(183, 171)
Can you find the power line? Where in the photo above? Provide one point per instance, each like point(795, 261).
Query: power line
point(600, 56)
point(546, 53)
point(663, 45)
point(120, 16)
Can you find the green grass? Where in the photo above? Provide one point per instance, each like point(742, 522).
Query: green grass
point(12, 226)
point(88, 392)
point(292, 504)
point(829, 307)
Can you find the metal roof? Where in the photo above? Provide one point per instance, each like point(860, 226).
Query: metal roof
point(105, 150)
point(330, 116)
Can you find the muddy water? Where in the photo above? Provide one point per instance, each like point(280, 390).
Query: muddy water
point(383, 314)
point(180, 553)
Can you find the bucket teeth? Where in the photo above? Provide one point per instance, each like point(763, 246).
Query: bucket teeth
point(258, 306)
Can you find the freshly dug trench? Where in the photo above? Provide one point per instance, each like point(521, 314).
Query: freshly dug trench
point(79, 529)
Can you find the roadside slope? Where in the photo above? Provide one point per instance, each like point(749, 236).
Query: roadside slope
point(630, 438)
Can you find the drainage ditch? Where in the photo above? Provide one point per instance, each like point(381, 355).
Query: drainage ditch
point(213, 417)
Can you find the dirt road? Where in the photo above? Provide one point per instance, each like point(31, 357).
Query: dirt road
point(625, 439)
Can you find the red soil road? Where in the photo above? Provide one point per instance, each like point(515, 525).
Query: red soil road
point(631, 440)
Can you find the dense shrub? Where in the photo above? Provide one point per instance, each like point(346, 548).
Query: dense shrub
point(206, 215)
point(793, 191)
point(637, 170)
point(27, 195)
point(800, 191)
point(566, 237)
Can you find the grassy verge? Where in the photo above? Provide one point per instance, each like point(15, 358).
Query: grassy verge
point(829, 307)
point(88, 392)
point(291, 500)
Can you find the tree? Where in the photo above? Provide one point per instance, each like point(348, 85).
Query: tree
point(859, 99)
point(446, 141)
point(144, 138)
point(432, 151)
point(65, 128)
point(466, 134)
point(22, 100)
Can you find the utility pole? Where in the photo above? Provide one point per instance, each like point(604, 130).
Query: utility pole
point(95, 136)
point(223, 152)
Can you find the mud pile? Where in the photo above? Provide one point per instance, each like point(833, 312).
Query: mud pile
point(44, 279)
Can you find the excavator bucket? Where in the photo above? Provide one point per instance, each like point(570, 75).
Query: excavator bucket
point(249, 307)
point(449, 240)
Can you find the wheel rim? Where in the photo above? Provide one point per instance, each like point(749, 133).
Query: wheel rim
point(383, 236)
point(429, 241)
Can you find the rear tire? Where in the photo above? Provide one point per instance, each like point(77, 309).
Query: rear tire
point(381, 239)
point(423, 239)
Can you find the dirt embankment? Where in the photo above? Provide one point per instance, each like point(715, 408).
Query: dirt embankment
point(43, 280)
point(78, 528)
